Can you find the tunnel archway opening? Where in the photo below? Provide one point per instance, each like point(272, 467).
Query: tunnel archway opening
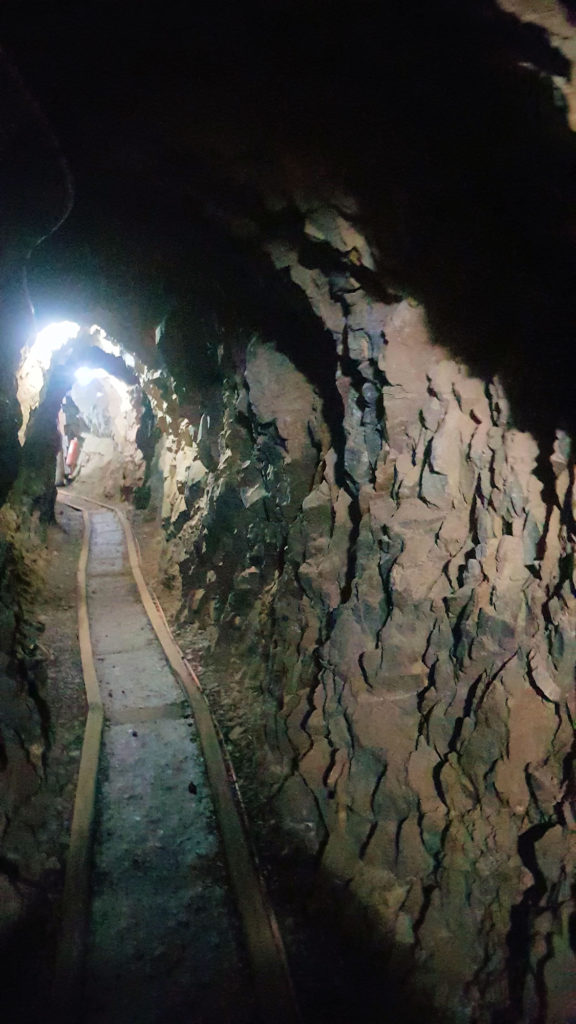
point(35, 364)
point(98, 422)
point(53, 337)
point(93, 432)
point(59, 343)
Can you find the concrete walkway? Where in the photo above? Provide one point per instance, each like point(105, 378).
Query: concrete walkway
point(164, 942)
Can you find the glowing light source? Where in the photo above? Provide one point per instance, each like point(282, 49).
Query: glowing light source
point(86, 374)
point(51, 338)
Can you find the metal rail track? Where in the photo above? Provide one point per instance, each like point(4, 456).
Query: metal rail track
point(273, 986)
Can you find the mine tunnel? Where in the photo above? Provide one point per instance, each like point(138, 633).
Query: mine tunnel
point(287, 521)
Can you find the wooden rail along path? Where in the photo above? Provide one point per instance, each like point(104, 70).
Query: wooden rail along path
point(271, 979)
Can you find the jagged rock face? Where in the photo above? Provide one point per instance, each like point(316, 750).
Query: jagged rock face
point(557, 19)
point(23, 724)
point(407, 600)
point(35, 196)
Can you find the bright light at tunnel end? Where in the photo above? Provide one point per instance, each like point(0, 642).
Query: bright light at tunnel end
point(53, 337)
point(56, 335)
point(86, 374)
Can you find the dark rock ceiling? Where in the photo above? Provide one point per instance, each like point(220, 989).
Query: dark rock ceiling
point(190, 134)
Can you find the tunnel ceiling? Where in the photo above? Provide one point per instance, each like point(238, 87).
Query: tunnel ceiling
point(197, 138)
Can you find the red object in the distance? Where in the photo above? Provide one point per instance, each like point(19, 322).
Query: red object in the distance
point(72, 456)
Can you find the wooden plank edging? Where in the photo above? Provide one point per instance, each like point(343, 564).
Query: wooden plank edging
point(76, 895)
point(276, 997)
point(273, 984)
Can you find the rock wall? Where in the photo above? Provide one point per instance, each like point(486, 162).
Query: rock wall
point(402, 590)
point(24, 732)
point(36, 195)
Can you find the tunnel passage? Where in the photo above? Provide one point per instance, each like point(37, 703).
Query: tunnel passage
point(81, 403)
point(344, 256)
point(102, 414)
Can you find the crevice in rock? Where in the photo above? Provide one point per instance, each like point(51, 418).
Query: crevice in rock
point(522, 916)
point(437, 780)
point(427, 893)
point(397, 835)
point(544, 472)
point(456, 626)
point(9, 868)
point(466, 711)
point(540, 979)
point(364, 847)
point(362, 667)
point(378, 781)
point(355, 516)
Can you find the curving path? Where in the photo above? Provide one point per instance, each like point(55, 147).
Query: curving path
point(164, 940)
point(159, 933)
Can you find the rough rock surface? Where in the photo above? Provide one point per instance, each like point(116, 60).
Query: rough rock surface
point(42, 726)
point(406, 603)
point(557, 19)
point(36, 194)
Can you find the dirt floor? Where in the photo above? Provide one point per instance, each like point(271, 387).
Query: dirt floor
point(207, 974)
point(328, 975)
point(165, 939)
point(336, 975)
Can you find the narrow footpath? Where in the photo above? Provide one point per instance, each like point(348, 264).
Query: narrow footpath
point(164, 940)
